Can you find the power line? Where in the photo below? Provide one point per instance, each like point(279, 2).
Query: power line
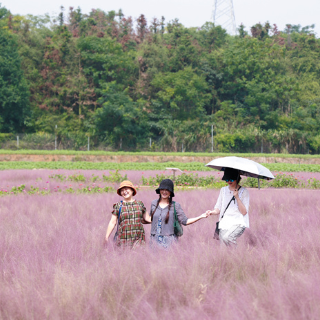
point(223, 15)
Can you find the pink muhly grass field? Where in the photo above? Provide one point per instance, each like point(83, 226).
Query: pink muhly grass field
point(53, 264)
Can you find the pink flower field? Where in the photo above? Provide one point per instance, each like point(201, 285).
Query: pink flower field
point(54, 266)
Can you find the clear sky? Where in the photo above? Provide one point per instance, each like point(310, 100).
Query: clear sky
point(191, 13)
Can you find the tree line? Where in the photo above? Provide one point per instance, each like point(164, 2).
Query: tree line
point(123, 82)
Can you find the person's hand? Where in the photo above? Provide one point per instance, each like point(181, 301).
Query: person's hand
point(236, 193)
point(210, 212)
point(205, 215)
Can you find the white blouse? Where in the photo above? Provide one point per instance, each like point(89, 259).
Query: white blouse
point(232, 216)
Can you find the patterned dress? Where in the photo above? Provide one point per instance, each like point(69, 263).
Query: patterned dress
point(131, 231)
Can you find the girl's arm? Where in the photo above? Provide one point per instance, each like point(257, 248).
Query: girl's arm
point(147, 217)
point(218, 205)
point(183, 218)
point(193, 220)
point(112, 224)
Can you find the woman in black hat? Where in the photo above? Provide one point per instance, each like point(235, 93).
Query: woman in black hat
point(233, 207)
point(163, 215)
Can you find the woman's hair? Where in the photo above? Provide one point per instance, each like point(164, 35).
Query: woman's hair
point(238, 180)
point(167, 216)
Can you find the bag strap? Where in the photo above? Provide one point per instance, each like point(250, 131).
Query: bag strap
point(233, 198)
point(119, 215)
point(174, 208)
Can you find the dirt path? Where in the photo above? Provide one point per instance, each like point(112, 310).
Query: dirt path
point(140, 158)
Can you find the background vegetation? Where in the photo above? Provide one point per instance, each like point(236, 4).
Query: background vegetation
point(45, 182)
point(137, 166)
point(123, 82)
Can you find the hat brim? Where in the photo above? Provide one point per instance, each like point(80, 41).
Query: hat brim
point(133, 189)
point(158, 192)
point(230, 177)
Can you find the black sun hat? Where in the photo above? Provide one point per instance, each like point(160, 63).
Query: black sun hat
point(230, 174)
point(166, 184)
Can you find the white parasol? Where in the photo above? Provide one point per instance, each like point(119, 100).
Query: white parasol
point(246, 167)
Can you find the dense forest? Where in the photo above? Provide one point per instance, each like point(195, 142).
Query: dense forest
point(133, 85)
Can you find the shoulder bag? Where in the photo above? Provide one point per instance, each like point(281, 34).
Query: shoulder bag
point(177, 227)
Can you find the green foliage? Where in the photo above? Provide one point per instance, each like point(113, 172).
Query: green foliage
point(237, 140)
point(255, 80)
point(285, 181)
point(114, 177)
point(212, 37)
point(36, 190)
point(74, 177)
point(120, 120)
point(281, 181)
point(14, 91)
point(193, 180)
point(95, 178)
point(77, 178)
point(181, 95)
point(313, 183)
point(104, 61)
point(6, 137)
point(89, 190)
point(253, 183)
point(184, 180)
point(19, 189)
point(189, 166)
point(97, 75)
point(59, 177)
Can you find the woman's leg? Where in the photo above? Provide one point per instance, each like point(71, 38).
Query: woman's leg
point(230, 236)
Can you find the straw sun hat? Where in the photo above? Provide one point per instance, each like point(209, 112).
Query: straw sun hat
point(128, 184)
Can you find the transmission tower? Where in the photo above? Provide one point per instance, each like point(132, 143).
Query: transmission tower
point(223, 15)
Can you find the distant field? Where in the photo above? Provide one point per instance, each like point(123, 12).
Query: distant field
point(164, 154)
point(189, 166)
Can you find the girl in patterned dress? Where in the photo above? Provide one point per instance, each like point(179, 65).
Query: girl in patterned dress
point(162, 216)
point(132, 214)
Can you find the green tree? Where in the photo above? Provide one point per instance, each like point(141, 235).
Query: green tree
point(104, 60)
point(181, 95)
point(14, 92)
point(212, 37)
point(256, 80)
point(120, 121)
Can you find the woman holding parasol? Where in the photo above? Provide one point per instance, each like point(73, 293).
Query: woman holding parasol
point(233, 207)
point(233, 201)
